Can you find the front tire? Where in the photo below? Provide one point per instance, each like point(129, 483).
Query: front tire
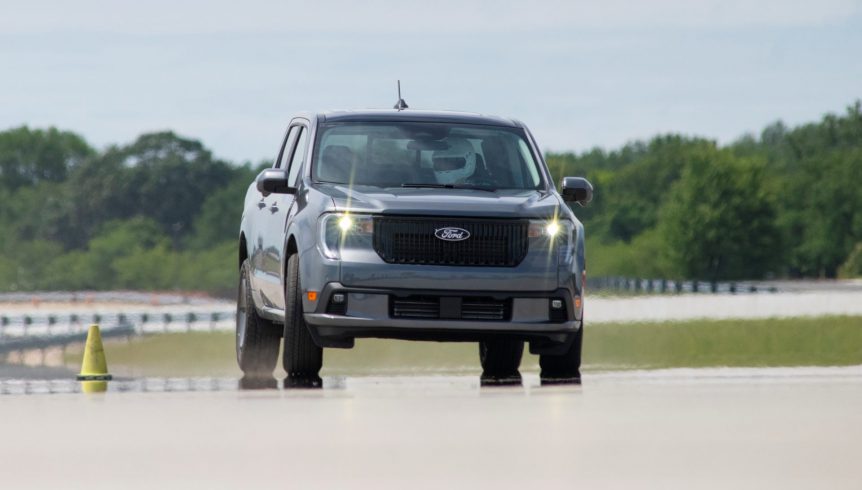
point(501, 358)
point(564, 368)
point(302, 358)
point(257, 339)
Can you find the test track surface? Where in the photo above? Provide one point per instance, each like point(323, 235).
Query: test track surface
point(682, 428)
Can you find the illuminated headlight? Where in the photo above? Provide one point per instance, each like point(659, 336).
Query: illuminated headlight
point(555, 235)
point(548, 228)
point(342, 231)
point(345, 223)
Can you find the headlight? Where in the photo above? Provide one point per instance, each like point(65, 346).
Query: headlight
point(342, 231)
point(555, 235)
point(549, 228)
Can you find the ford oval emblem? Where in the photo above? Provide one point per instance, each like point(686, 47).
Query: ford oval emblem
point(452, 234)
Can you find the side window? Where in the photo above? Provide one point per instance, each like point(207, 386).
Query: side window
point(298, 154)
point(527, 159)
point(284, 154)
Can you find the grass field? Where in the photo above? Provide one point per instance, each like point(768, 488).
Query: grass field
point(824, 341)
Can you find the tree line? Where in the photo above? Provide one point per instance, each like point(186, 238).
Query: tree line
point(785, 203)
point(162, 212)
point(159, 213)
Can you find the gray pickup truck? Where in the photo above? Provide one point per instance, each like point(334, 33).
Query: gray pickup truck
point(411, 225)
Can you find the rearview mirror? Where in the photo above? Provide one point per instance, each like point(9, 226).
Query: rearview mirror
point(274, 181)
point(577, 189)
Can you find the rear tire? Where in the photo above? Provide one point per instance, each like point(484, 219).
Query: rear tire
point(564, 368)
point(501, 358)
point(302, 358)
point(257, 339)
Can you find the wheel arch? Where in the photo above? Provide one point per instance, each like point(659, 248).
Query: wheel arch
point(243, 250)
point(290, 249)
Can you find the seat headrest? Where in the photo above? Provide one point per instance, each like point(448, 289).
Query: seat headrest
point(338, 154)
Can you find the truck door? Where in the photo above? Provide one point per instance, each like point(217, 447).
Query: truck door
point(273, 214)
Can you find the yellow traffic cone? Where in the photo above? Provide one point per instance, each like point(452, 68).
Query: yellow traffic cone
point(94, 367)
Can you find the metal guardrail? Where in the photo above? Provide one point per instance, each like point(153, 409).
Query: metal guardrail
point(668, 286)
point(30, 342)
point(87, 297)
point(25, 332)
point(28, 322)
point(39, 331)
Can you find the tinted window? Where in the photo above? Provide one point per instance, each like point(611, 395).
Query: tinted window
point(281, 162)
point(298, 154)
point(392, 154)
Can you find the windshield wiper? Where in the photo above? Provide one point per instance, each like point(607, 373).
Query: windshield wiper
point(451, 186)
point(433, 186)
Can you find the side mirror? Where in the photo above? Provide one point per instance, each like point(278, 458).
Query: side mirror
point(577, 189)
point(274, 181)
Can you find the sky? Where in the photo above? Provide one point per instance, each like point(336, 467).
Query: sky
point(580, 74)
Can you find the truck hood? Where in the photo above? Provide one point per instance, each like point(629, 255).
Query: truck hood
point(443, 202)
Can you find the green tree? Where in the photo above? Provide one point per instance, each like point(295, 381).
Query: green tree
point(151, 268)
point(852, 267)
point(219, 217)
point(161, 176)
point(29, 156)
point(27, 265)
point(630, 183)
point(717, 222)
point(827, 220)
point(170, 179)
point(119, 239)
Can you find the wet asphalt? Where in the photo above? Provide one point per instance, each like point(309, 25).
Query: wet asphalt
point(677, 428)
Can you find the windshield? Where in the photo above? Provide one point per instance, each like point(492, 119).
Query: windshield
point(425, 154)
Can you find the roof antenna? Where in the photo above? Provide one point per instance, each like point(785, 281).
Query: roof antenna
point(400, 105)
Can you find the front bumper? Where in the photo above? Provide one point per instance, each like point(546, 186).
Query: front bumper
point(369, 313)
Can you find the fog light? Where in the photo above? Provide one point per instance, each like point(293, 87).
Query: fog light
point(556, 304)
point(338, 298)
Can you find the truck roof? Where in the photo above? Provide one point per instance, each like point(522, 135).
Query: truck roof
point(382, 115)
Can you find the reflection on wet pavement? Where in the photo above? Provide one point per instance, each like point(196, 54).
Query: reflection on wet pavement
point(510, 380)
point(257, 383)
point(441, 384)
point(271, 383)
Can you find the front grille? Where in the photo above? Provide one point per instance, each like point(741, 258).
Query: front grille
point(492, 242)
point(452, 308)
point(415, 307)
point(483, 309)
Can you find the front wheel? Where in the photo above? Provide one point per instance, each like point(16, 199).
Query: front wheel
point(564, 368)
point(501, 358)
point(257, 338)
point(302, 358)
